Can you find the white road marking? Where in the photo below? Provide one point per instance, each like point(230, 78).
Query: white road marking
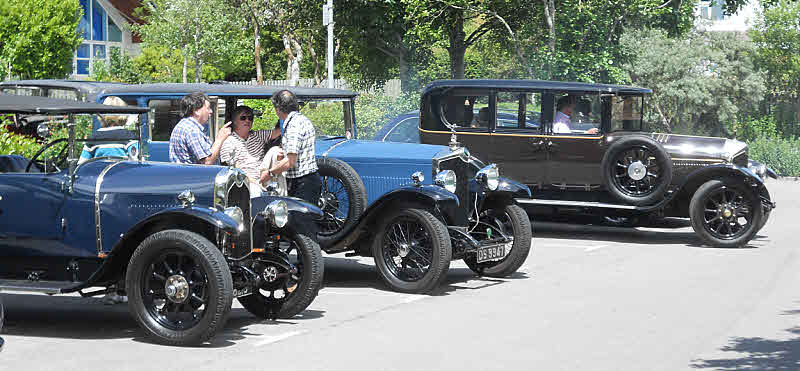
point(279, 337)
point(592, 248)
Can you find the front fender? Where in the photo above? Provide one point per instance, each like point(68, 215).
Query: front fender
point(697, 177)
point(302, 217)
point(258, 204)
point(507, 192)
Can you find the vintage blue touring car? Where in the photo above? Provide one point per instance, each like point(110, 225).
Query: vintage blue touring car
point(412, 207)
point(181, 241)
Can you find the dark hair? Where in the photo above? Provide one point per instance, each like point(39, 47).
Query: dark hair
point(564, 101)
point(285, 101)
point(238, 111)
point(192, 102)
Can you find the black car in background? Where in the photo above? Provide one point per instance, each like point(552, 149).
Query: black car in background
point(606, 163)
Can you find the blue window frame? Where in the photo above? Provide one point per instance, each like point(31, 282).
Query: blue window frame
point(98, 22)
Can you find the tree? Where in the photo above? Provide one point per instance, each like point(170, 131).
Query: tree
point(201, 30)
point(38, 38)
point(701, 83)
point(776, 33)
point(462, 23)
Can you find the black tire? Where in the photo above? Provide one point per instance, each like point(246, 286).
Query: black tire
point(717, 209)
point(202, 305)
point(431, 241)
point(2, 315)
point(764, 218)
point(628, 159)
point(343, 199)
point(296, 293)
point(510, 220)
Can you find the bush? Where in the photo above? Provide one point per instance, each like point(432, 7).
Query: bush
point(780, 154)
point(752, 128)
point(16, 144)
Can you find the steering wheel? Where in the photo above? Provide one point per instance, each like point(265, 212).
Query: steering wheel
point(59, 158)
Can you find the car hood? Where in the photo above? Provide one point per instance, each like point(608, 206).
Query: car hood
point(365, 151)
point(698, 147)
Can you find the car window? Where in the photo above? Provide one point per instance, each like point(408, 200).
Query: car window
point(577, 114)
point(518, 111)
point(626, 112)
point(468, 112)
point(165, 114)
point(404, 131)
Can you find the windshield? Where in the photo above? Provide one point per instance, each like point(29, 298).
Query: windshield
point(331, 117)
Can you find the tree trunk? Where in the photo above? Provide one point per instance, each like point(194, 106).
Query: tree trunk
point(458, 45)
point(550, 19)
point(185, 66)
point(257, 47)
point(198, 67)
point(294, 53)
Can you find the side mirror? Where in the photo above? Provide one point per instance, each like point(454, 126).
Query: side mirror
point(43, 130)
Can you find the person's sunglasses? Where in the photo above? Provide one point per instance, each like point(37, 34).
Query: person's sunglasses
point(248, 118)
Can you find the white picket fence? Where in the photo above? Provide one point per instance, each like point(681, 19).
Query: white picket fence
point(390, 88)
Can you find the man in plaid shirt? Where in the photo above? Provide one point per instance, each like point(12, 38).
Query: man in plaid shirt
point(188, 142)
point(299, 163)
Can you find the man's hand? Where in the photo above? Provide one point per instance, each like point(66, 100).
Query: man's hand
point(264, 176)
point(593, 131)
point(225, 131)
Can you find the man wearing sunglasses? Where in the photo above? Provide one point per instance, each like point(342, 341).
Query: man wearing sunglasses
point(244, 148)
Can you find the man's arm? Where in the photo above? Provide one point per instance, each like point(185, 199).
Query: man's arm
point(289, 161)
point(222, 134)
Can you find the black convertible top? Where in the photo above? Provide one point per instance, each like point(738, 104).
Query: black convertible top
point(31, 104)
point(560, 86)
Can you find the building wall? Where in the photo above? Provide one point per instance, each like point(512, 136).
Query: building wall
point(711, 17)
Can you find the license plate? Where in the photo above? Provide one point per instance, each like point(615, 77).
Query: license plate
point(244, 291)
point(491, 252)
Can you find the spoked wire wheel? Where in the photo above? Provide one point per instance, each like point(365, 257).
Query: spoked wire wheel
point(335, 205)
point(291, 278)
point(635, 172)
point(175, 290)
point(512, 222)
point(412, 251)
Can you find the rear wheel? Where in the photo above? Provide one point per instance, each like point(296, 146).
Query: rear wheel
point(725, 213)
point(179, 287)
point(412, 251)
point(292, 279)
point(511, 221)
point(342, 199)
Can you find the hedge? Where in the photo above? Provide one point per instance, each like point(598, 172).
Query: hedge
point(782, 155)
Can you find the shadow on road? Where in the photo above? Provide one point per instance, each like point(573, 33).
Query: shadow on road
point(349, 272)
point(669, 235)
point(758, 354)
point(72, 317)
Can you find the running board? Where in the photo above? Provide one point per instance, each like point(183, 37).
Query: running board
point(565, 203)
point(44, 287)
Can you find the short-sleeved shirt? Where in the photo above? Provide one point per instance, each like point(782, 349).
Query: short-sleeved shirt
point(298, 137)
point(257, 141)
point(114, 141)
point(188, 142)
point(561, 123)
point(235, 152)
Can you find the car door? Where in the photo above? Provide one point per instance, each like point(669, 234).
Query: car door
point(574, 158)
point(517, 141)
point(31, 224)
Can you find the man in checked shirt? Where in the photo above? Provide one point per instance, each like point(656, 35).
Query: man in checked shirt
point(299, 163)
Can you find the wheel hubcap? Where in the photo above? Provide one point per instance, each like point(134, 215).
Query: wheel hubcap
point(403, 250)
point(637, 170)
point(177, 288)
point(270, 273)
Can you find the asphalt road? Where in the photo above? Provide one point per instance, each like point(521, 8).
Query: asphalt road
point(588, 298)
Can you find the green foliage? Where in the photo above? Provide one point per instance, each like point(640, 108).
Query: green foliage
point(16, 144)
point(780, 154)
point(751, 128)
point(699, 82)
point(38, 37)
point(373, 110)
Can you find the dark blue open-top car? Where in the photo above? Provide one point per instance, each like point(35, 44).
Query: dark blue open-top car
point(181, 241)
point(412, 207)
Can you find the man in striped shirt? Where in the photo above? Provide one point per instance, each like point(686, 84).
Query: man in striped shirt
point(299, 163)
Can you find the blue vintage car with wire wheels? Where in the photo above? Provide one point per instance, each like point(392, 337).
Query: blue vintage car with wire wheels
point(413, 208)
point(180, 241)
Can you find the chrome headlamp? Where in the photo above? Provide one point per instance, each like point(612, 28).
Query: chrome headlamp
point(447, 180)
point(757, 168)
point(237, 215)
point(489, 177)
point(278, 213)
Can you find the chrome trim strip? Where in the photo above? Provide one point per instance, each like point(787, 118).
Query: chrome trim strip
point(334, 146)
point(97, 228)
point(573, 203)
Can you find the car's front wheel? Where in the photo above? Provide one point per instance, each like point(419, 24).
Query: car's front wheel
point(292, 277)
point(412, 251)
point(725, 213)
point(179, 287)
point(511, 221)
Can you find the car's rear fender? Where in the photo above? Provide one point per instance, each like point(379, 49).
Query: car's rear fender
point(204, 221)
